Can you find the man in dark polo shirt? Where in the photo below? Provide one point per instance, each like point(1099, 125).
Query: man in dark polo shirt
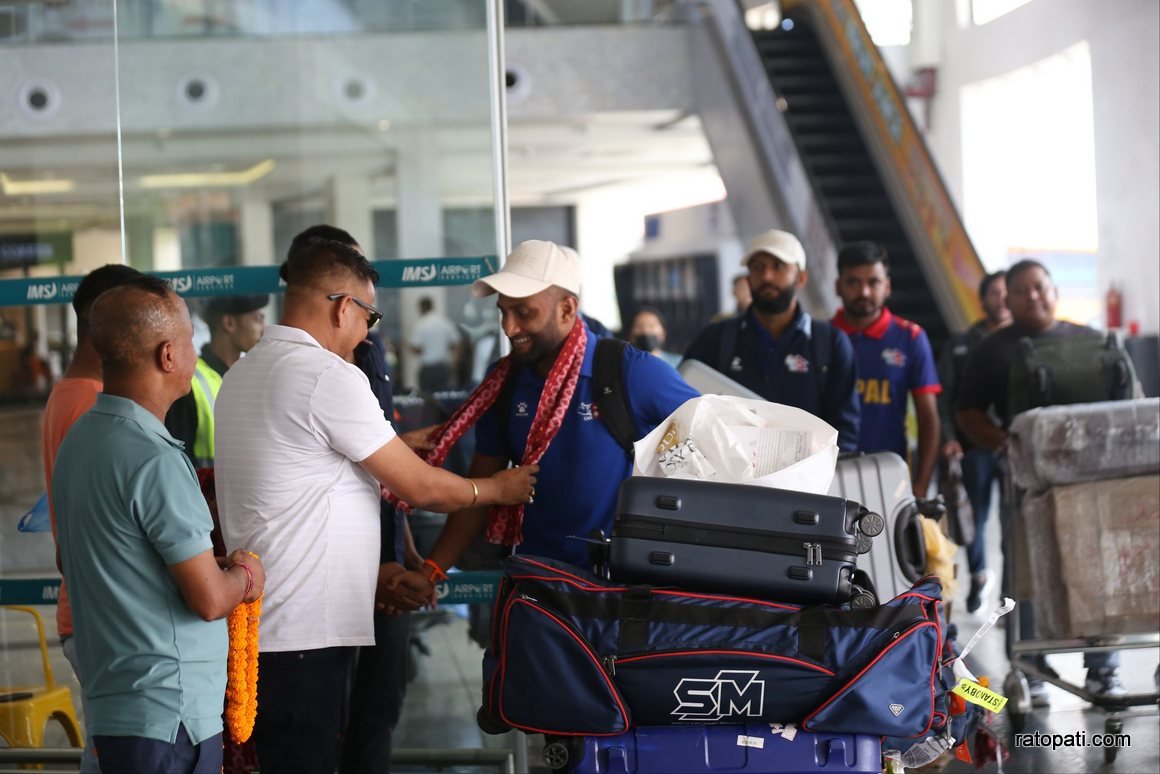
point(1031, 297)
point(776, 349)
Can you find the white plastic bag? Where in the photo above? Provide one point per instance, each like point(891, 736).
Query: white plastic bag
point(738, 440)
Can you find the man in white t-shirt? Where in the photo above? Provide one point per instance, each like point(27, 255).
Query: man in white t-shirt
point(435, 339)
point(302, 446)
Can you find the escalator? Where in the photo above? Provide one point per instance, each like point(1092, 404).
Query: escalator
point(820, 142)
point(845, 180)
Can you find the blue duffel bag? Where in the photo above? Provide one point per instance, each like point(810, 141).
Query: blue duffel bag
point(574, 654)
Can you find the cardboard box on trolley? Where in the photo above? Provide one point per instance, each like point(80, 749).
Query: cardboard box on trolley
point(1092, 553)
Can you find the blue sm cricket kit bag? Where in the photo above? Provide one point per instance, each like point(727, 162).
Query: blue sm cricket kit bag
point(574, 654)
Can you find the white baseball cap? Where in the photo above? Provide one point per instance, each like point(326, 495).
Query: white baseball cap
point(532, 267)
point(780, 244)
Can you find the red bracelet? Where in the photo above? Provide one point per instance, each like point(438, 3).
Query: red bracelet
point(249, 579)
point(436, 572)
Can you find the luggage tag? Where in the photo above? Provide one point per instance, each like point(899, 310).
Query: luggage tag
point(968, 686)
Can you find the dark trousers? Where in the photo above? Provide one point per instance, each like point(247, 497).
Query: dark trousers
point(133, 754)
point(376, 701)
point(302, 699)
point(433, 378)
point(1009, 510)
point(980, 472)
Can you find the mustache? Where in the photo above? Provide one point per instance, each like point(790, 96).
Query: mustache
point(767, 286)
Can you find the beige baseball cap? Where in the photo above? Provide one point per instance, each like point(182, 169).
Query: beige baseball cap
point(780, 244)
point(533, 266)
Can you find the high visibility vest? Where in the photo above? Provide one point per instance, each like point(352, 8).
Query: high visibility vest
point(206, 383)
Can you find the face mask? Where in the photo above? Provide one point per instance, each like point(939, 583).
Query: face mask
point(646, 342)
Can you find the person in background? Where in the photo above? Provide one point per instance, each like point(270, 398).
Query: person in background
point(134, 530)
point(72, 396)
point(776, 349)
point(647, 333)
point(982, 415)
point(741, 295)
point(436, 340)
point(235, 326)
point(894, 361)
point(980, 466)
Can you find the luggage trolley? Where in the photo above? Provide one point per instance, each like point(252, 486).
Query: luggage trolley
point(1024, 654)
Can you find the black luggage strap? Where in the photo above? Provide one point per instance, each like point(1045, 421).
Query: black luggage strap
point(634, 619)
point(812, 633)
point(639, 607)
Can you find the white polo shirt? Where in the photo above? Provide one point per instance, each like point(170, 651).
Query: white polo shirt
point(434, 335)
point(293, 421)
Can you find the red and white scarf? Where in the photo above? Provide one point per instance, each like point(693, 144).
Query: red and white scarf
point(505, 522)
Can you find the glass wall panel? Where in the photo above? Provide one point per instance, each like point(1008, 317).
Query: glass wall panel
point(196, 138)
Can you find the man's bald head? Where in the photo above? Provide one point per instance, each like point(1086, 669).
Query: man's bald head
point(129, 322)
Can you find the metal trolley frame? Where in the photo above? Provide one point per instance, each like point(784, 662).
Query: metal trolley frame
point(1025, 654)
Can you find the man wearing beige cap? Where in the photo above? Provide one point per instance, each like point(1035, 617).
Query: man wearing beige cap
point(776, 349)
point(540, 405)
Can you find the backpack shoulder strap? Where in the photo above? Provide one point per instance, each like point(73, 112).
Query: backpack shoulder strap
point(822, 342)
point(727, 345)
point(610, 395)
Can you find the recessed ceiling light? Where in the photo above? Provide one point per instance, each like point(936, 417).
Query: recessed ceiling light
point(209, 179)
point(25, 187)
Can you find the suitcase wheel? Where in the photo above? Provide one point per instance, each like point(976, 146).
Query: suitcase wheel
point(561, 754)
point(489, 723)
point(872, 524)
point(863, 543)
point(861, 599)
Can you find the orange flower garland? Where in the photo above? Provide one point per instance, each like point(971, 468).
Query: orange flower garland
point(242, 670)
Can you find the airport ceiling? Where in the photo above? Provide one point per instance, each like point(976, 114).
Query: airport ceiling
point(71, 182)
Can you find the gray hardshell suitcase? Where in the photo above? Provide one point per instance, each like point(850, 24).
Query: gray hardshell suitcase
point(736, 539)
point(881, 482)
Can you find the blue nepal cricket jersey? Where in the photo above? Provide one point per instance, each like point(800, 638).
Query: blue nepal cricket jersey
point(894, 359)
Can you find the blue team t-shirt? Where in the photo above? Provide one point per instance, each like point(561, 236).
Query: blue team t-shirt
point(894, 360)
point(580, 474)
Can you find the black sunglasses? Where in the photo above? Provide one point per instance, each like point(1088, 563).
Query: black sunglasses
point(376, 315)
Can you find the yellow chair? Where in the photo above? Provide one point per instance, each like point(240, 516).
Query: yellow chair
point(26, 710)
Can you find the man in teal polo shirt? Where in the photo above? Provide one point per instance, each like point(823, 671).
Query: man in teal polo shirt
point(133, 528)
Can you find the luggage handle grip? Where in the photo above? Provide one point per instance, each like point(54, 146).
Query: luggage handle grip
point(910, 545)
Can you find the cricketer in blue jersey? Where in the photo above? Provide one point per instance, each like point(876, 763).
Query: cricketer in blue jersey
point(894, 360)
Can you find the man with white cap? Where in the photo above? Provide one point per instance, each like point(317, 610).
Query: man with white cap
point(540, 405)
point(776, 349)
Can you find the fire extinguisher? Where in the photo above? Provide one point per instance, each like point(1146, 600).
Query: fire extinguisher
point(1114, 304)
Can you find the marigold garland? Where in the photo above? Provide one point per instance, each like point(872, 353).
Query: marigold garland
point(242, 670)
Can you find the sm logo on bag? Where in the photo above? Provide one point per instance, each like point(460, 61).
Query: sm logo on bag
point(732, 693)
